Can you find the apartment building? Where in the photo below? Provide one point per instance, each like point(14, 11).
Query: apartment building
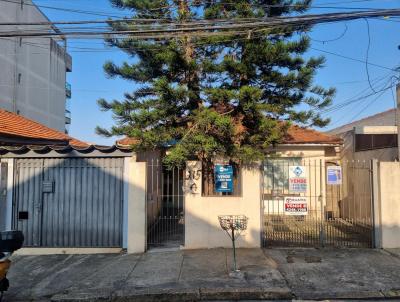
point(33, 70)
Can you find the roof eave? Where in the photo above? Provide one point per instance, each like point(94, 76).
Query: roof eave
point(6, 139)
point(311, 144)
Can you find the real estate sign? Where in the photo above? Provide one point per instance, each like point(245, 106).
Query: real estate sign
point(334, 175)
point(297, 179)
point(296, 206)
point(223, 178)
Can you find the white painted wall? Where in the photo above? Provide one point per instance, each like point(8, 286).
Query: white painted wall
point(6, 196)
point(136, 229)
point(348, 153)
point(202, 229)
point(386, 118)
point(389, 176)
point(381, 123)
point(33, 70)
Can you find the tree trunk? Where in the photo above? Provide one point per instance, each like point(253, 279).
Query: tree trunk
point(192, 78)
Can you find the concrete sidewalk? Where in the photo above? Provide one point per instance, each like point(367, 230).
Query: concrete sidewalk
point(205, 275)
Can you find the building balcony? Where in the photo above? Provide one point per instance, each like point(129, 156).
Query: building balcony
point(67, 117)
point(68, 91)
point(68, 62)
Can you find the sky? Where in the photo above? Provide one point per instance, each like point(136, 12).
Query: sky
point(344, 45)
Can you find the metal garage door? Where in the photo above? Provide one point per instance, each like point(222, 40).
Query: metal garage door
point(69, 202)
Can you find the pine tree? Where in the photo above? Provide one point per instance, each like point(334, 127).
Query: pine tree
point(221, 94)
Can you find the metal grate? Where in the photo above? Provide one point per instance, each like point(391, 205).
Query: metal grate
point(165, 205)
point(337, 215)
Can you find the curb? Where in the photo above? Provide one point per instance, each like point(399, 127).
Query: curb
point(175, 295)
point(245, 294)
point(218, 294)
point(362, 295)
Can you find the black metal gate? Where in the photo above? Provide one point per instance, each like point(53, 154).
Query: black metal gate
point(303, 208)
point(165, 205)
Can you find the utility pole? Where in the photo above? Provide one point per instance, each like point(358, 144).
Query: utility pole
point(398, 119)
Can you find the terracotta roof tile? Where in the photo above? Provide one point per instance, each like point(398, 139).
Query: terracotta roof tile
point(126, 141)
point(15, 125)
point(300, 135)
point(295, 135)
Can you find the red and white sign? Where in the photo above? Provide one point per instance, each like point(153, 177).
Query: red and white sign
point(296, 206)
point(297, 179)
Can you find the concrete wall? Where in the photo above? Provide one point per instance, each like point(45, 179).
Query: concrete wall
point(347, 153)
point(6, 193)
point(136, 207)
point(3, 196)
point(202, 229)
point(386, 118)
point(389, 197)
point(33, 70)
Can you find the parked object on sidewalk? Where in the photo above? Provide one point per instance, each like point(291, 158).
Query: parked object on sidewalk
point(10, 241)
point(233, 225)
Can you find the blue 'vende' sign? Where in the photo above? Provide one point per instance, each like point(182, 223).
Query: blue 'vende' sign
point(334, 175)
point(223, 178)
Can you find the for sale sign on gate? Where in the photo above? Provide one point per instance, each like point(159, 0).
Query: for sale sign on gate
point(296, 205)
point(297, 179)
point(334, 175)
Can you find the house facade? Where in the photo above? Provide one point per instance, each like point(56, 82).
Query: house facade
point(33, 70)
point(71, 197)
point(65, 194)
point(373, 137)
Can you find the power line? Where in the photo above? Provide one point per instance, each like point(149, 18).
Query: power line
point(364, 14)
point(94, 13)
point(367, 106)
point(352, 59)
point(160, 31)
point(332, 40)
point(357, 103)
point(367, 56)
point(356, 98)
point(89, 49)
point(172, 6)
point(352, 101)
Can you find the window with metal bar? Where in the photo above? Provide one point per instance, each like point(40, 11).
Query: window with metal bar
point(365, 142)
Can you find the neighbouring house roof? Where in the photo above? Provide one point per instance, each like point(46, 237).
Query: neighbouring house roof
point(17, 130)
point(126, 142)
point(300, 135)
point(296, 135)
point(385, 118)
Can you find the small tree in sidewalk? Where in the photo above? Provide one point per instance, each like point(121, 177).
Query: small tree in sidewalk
point(216, 93)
